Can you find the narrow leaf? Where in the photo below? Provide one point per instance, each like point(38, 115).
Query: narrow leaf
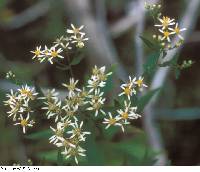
point(178, 114)
point(77, 60)
point(144, 100)
point(45, 134)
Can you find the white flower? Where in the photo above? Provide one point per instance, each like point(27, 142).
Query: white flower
point(53, 109)
point(58, 133)
point(37, 52)
point(71, 111)
point(75, 152)
point(165, 22)
point(166, 35)
point(62, 142)
point(50, 95)
point(24, 122)
point(77, 131)
point(128, 89)
point(53, 53)
point(79, 40)
point(177, 31)
point(72, 87)
point(27, 92)
point(18, 104)
point(63, 42)
point(76, 30)
point(94, 83)
point(111, 121)
point(96, 105)
point(140, 82)
point(127, 113)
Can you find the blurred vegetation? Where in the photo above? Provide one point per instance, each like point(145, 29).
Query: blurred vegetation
point(177, 111)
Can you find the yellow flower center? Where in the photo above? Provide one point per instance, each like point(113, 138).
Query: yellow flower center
point(27, 93)
point(124, 115)
point(37, 52)
point(165, 21)
point(166, 34)
point(97, 106)
point(54, 53)
point(24, 122)
point(177, 30)
point(112, 121)
point(127, 91)
point(76, 31)
point(139, 82)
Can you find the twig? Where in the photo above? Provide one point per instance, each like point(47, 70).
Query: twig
point(27, 16)
point(127, 22)
point(139, 52)
point(188, 21)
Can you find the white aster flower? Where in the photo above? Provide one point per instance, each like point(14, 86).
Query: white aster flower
point(58, 133)
point(128, 113)
point(94, 83)
point(76, 30)
point(77, 131)
point(74, 152)
point(50, 95)
point(112, 121)
point(24, 122)
point(66, 143)
point(96, 105)
point(63, 42)
point(128, 89)
point(37, 52)
point(79, 40)
point(166, 35)
point(165, 22)
point(140, 82)
point(71, 111)
point(27, 92)
point(53, 53)
point(72, 87)
point(177, 31)
point(53, 109)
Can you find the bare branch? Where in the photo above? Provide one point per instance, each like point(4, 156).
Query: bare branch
point(139, 52)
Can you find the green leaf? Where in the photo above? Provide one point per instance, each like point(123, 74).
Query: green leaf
point(45, 134)
point(151, 63)
point(59, 158)
point(179, 114)
point(94, 155)
point(149, 44)
point(77, 60)
point(109, 83)
point(135, 151)
point(144, 100)
point(48, 156)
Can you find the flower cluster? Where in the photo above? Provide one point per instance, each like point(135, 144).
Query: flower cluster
point(127, 112)
point(64, 43)
point(20, 106)
point(167, 28)
point(68, 133)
